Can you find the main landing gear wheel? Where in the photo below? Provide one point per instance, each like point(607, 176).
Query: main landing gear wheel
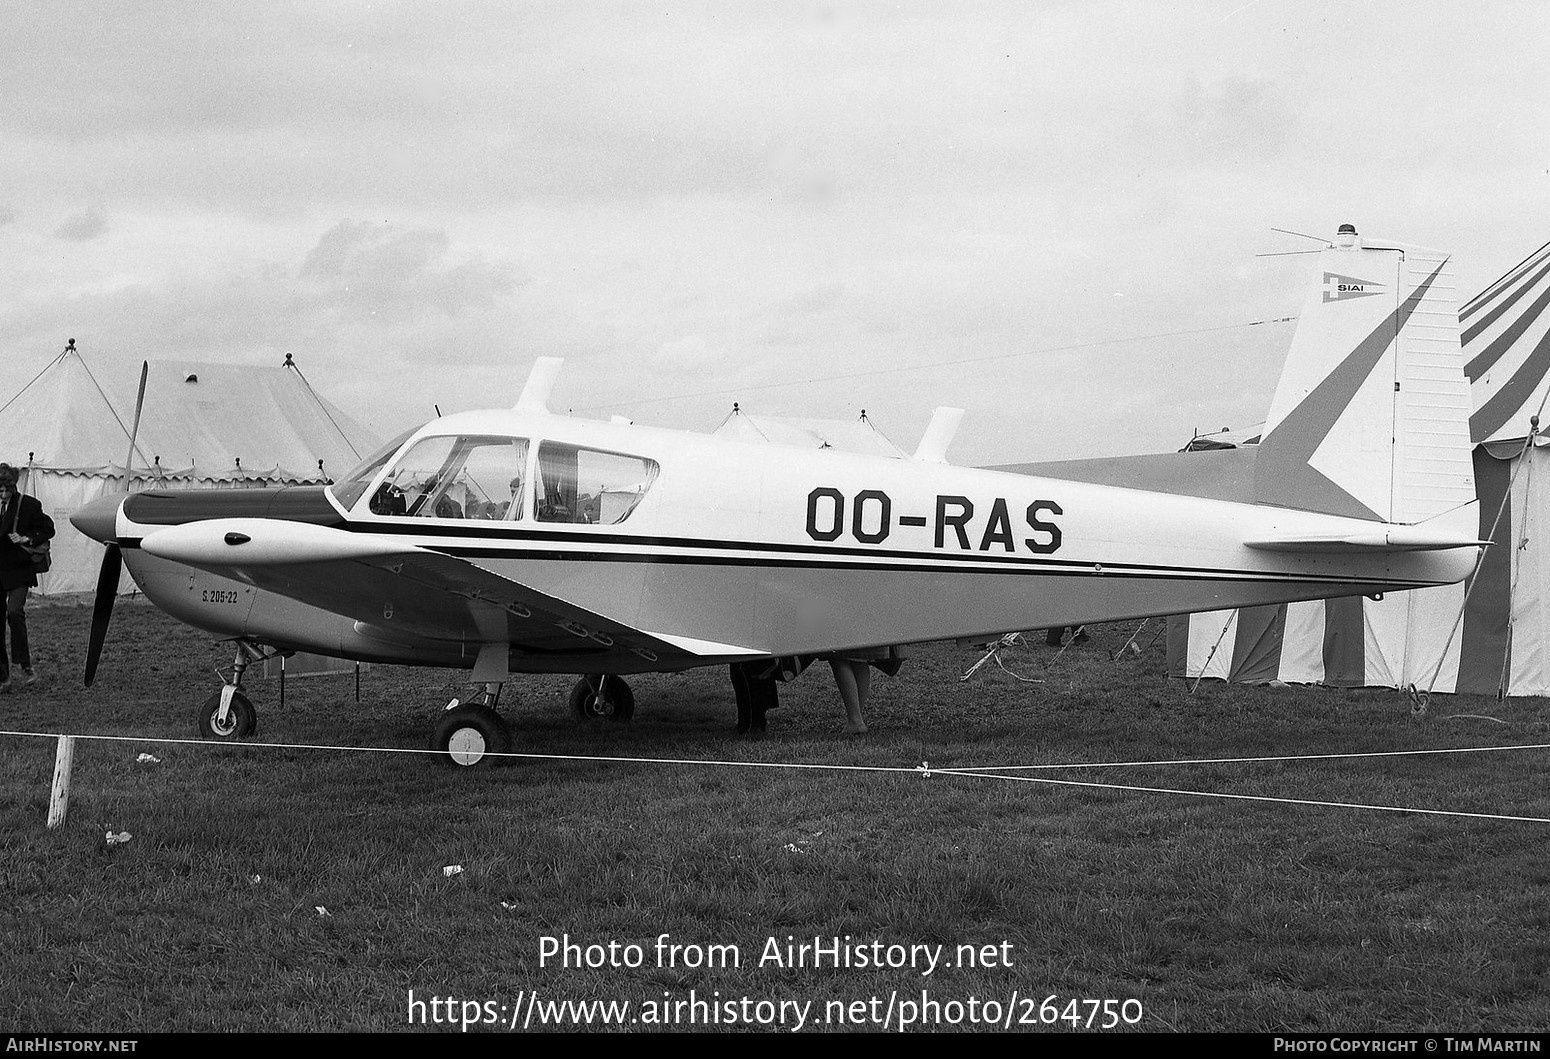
point(241, 719)
point(471, 735)
point(614, 702)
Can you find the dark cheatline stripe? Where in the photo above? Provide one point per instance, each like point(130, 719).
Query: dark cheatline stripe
point(1256, 656)
point(1483, 361)
point(1480, 300)
point(1511, 397)
point(1345, 643)
point(1485, 637)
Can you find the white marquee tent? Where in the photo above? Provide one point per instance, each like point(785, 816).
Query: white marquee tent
point(217, 426)
point(845, 435)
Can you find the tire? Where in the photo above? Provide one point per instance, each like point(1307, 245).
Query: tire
point(241, 719)
point(617, 703)
point(471, 736)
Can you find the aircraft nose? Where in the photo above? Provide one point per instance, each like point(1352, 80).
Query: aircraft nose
point(99, 519)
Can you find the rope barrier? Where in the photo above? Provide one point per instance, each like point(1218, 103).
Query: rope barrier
point(1255, 797)
point(1266, 759)
point(924, 769)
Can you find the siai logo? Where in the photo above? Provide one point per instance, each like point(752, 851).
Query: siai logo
point(1338, 288)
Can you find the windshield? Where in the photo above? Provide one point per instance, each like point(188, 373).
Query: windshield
point(349, 488)
point(456, 477)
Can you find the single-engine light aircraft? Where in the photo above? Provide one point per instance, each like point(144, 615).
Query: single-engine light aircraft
point(521, 541)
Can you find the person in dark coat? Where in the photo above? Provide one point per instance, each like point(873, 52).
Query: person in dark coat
point(757, 687)
point(754, 685)
point(22, 522)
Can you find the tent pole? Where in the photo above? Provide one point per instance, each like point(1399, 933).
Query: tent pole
point(134, 431)
point(1518, 544)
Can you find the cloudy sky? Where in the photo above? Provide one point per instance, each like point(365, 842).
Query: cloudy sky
point(1051, 214)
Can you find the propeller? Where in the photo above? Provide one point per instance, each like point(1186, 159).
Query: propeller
point(102, 609)
point(112, 559)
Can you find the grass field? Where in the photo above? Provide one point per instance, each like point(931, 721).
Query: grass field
point(281, 889)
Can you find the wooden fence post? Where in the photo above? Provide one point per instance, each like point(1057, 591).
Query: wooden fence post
point(59, 796)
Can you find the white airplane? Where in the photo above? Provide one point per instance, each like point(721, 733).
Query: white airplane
point(521, 541)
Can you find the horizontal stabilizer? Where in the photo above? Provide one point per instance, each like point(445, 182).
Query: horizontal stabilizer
point(1382, 538)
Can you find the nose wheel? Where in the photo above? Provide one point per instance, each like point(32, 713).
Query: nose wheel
point(471, 734)
point(228, 714)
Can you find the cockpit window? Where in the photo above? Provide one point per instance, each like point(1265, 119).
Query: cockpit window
point(586, 485)
point(456, 478)
point(349, 488)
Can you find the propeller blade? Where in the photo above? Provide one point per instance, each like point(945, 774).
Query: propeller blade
point(102, 610)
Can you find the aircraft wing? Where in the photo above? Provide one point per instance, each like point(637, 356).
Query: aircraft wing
point(405, 592)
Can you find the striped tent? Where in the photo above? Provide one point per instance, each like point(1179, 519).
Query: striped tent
point(1490, 635)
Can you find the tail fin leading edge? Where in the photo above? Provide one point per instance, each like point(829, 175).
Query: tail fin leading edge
point(1371, 416)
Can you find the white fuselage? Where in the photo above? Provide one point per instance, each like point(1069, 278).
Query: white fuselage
point(794, 551)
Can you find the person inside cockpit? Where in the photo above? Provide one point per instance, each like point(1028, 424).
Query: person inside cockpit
point(388, 500)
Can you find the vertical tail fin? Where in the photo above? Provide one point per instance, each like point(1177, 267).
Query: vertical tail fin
point(1371, 416)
